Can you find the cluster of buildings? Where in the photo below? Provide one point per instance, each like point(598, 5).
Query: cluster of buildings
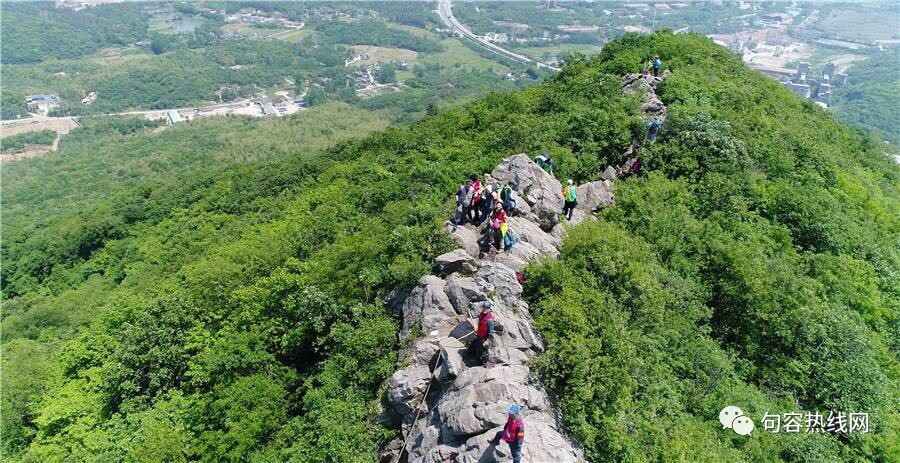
point(249, 16)
point(366, 76)
point(281, 105)
point(819, 90)
point(41, 103)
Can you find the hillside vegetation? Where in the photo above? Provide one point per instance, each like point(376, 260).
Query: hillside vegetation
point(870, 99)
point(236, 314)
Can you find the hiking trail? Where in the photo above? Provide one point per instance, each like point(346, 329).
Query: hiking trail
point(448, 408)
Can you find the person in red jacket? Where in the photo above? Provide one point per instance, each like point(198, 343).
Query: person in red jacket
point(514, 432)
point(483, 332)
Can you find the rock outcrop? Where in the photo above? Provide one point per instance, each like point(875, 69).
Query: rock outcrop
point(449, 408)
point(541, 191)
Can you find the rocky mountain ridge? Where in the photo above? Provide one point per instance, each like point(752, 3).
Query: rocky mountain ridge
point(448, 408)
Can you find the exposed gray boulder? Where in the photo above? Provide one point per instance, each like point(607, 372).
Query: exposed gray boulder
point(610, 173)
point(407, 386)
point(454, 261)
point(593, 195)
point(634, 83)
point(424, 350)
point(464, 331)
point(529, 232)
point(499, 280)
point(466, 404)
point(452, 364)
point(655, 107)
point(462, 291)
point(518, 257)
point(540, 190)
point(465, 237)
point(547, 445)
point(428, 307)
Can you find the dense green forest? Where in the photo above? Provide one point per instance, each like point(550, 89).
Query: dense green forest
point(234, 312)
point(36, 31)
point(871, 96)
point(17, 143)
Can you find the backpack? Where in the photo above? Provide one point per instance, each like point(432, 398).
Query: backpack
point(509, 240)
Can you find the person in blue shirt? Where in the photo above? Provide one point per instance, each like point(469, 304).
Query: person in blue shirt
point(657, 65)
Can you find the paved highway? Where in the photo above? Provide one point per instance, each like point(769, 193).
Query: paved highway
point(445, 11)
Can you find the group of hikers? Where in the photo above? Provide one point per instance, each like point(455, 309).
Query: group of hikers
point(478, 202)
point(653, 66)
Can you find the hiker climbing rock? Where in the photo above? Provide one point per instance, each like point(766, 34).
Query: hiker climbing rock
point(647, 66)
point(513, 432)
point(483, 333)
point(652, 129)
point(657, 65)
point(543, 160)
point(571, 199)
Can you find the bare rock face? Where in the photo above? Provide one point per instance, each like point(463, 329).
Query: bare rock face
point(428, 307)
point(529, 232)
point(610, 173)
point(462, 291)
point(655, 107)
point(465, 404)
point(454, 261)
point(633, 83)
point(593, 195)
point(541, 191)
point(452, 363)
point(500, 282)
point(407, 386)
point(465, 237)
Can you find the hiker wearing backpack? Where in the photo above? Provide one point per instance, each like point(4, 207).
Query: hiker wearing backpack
point(652, 129)
point(570, 197)
point(543, 160)
point(513, 432)
point(657, 65)
point(483, 333)
point(463, 201)
point(506, 198)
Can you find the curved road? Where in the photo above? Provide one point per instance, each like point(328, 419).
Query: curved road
point(445, 11)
